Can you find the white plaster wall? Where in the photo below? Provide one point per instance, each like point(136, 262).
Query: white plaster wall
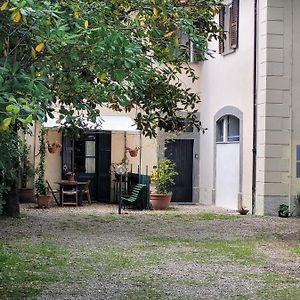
point(228, 80)
point(53, 161)
point(295, 95)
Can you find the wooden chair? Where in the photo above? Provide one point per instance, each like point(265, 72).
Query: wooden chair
point(53, 192)
point(69, 194)
point(85, 191)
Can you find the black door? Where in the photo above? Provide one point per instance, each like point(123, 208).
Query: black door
point(104, 162)
point(85, 167)
point(90, 158)
point(181, 152)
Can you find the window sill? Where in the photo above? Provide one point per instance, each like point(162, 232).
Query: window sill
point(227, 52)
point(235, 142)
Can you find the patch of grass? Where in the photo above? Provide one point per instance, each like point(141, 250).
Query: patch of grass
point(204, 216)
point(163, 240)
point(146, 286)
point(26, 268)
point(243, 251)
point(214, 216)
point(296, 250)
point(279, 286)
point(105, 261)
point(102, 219)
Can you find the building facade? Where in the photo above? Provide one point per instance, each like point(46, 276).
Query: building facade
point(250, 90)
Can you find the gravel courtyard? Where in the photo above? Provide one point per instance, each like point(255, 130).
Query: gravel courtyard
point(187, 252)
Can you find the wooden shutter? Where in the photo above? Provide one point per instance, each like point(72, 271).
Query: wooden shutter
point(234, 24)
point(222, 25)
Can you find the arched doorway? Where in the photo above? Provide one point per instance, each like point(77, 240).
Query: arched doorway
point(227, 180)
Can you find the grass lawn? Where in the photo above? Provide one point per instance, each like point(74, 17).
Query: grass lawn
point(172, 255)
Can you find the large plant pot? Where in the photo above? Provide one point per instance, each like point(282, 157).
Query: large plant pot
point(71, 177)
point(43, 201)
point(26, 195)
point(160, 201)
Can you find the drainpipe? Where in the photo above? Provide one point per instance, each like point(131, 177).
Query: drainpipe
point(254, 147)
point(291, 198)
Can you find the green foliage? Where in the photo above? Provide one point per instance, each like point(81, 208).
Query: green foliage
point(283, 210)
point(81, 55)
point(26, 167)
point(40, 183)
point(9, 161)
point(163, 175)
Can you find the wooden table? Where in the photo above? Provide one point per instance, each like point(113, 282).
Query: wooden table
point(80, 185)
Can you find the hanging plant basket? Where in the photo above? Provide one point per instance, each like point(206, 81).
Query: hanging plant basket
point(133, 152)
point(52, 149)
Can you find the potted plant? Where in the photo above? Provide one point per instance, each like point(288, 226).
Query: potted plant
point(124, 163)
point(26, 171)
point(70, 176)
point(243, 210)
point(40, 184)
point(162, 177)
point(283, 211)
point(53, 147)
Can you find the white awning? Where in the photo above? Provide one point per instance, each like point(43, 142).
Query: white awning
point(106, 123)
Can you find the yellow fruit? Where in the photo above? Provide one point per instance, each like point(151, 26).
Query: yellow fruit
point(4, 5)
point(40, 47)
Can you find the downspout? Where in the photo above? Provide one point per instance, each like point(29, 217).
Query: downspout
point(254, 145)
point(291, 204)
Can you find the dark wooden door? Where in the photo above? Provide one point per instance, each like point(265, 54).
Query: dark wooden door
point(90, 158)
point(104, 162)
point(181, 152)
point(85, 158)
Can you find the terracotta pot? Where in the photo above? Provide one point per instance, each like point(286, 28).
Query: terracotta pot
point(133, 153)
point(71, 177)
point(43, 201)
point(26, 195)
point(160, 201)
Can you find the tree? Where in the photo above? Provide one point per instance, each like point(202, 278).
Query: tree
point(83, 54)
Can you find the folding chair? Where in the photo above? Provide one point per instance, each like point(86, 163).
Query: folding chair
point(53, 192)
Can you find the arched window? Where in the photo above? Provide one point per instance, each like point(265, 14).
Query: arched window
point(228, 129)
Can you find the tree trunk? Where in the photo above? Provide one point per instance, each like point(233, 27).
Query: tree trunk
point(12, 207)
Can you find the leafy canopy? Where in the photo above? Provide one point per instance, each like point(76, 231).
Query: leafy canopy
point(83, 55)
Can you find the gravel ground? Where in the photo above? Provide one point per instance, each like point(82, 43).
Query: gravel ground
point(165, 254)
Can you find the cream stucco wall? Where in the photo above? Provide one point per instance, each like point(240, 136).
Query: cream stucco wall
point(278, 104)
point(295, 89)
point(227, 80)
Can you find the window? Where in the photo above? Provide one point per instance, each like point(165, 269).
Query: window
point(228, 129)
point(192, 50)
point(228, 20)
point(85, 155)
point(298, 161)
point(185, 123)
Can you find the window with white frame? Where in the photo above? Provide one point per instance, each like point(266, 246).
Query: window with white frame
point(192, 50)
point(228, 129)
point(229, 21)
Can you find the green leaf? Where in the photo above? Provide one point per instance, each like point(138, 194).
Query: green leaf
point(28, 120)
